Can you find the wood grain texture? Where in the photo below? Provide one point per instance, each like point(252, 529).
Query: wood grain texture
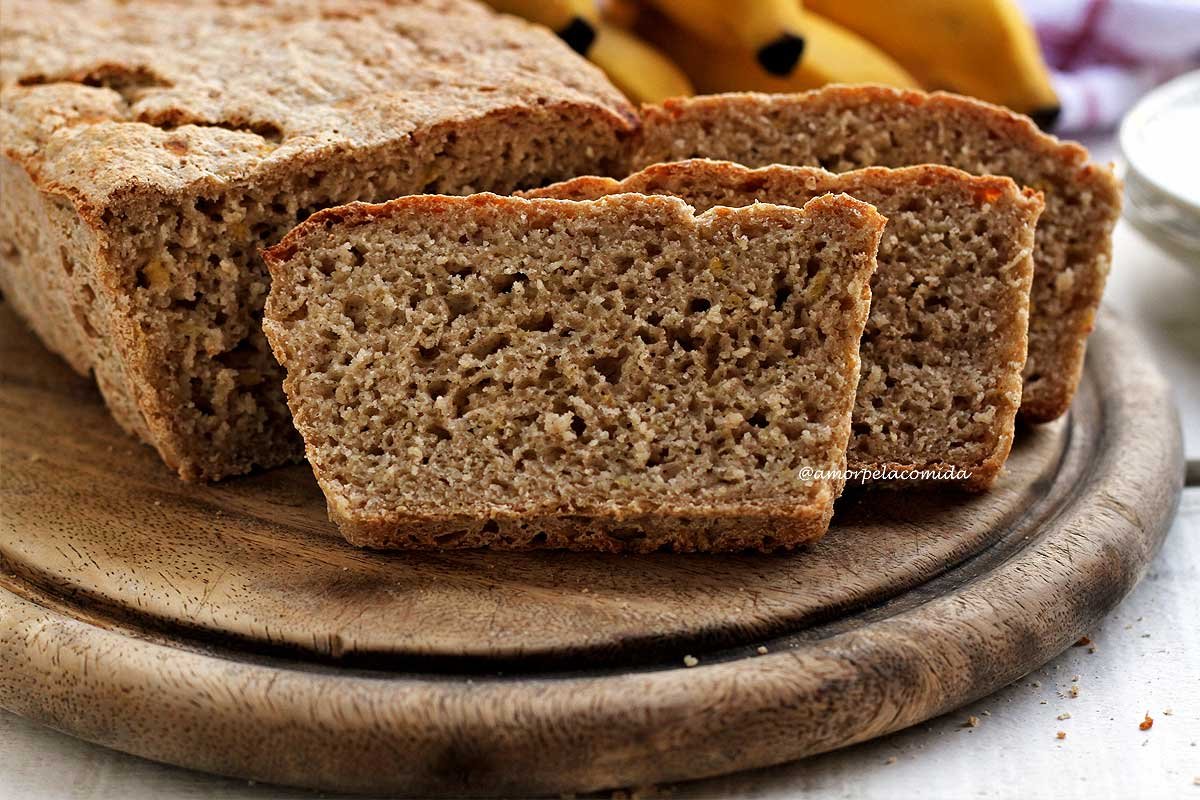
point(228, 628)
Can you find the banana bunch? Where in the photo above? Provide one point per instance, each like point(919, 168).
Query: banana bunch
point(654, 49)
point(982, 48)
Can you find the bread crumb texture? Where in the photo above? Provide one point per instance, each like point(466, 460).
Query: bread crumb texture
point(617, 374)
point(151, 149)
point(842, 128)
point(945, 343)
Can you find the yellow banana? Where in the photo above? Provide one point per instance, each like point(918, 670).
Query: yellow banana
point(773, 30)
point(573, 20)
point(622, 13)
point(832, 55)
point(983, 48)
point(637, 69)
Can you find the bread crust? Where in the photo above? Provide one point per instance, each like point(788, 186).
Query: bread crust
point(111, 139)
point(1068, 284)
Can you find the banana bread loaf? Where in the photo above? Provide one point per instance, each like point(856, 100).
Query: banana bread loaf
point(945, 342)
point(616, 375)
point(151, 149)
point(843, 128)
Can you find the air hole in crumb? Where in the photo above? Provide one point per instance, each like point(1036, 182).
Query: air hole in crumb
point(505, 283)
point(68, 263)
point(491, 526)
point(542, 324)
point(213, 208)
point(758, 420)
point(578, 425)
point(459, 304)
point(439, 433)
point(428, 354)
point(812, 269)
point(647, 335)
point(699, 305)
point(490, 345)
point(685, 342)
point(610, 367)
point(438, 389)
point(81, 318)
point(781, 297)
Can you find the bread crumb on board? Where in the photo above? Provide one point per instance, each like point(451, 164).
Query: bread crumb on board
point(762, 650)
point(1147, 723)
point(1060, 735)
point(690, 661)
point(971, 722)
point(1064, 715)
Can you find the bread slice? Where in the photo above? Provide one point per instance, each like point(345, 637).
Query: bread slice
point(151, 149)
point(616, 375)
point(945, 343)
point(844, 128)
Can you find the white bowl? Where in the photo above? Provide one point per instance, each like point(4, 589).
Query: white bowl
point(1160, 141)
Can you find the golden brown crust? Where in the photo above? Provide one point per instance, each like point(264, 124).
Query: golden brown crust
point(1082, 198)
point(250, 115)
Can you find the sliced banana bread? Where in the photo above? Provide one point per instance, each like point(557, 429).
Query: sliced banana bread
point(843, 128)
point(943, 348)
point(616, 375)
point(151, 149)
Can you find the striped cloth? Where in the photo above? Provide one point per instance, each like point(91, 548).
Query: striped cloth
point(1105, 54)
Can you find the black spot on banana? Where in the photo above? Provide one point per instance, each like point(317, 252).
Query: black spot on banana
point(573, 20)
point(773, 30)
point(780, 56)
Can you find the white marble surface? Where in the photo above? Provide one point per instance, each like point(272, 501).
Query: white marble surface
point(1146, 659)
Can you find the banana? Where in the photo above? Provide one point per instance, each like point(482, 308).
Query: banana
point(773, 30)
point(832, 55)
point(622, 13)
point(983, 48)
point(637, 69)
point(573, 20)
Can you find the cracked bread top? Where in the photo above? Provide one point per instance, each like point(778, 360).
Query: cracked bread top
point(172, 94)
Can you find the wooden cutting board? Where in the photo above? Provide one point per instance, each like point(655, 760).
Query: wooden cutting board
point(229, 629)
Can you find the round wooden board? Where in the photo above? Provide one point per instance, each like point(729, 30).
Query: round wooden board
point(228, 628)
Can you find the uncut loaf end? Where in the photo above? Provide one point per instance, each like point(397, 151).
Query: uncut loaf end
point(616, 375)
point(945, 343)
point(842, 128)
point(151, 149)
